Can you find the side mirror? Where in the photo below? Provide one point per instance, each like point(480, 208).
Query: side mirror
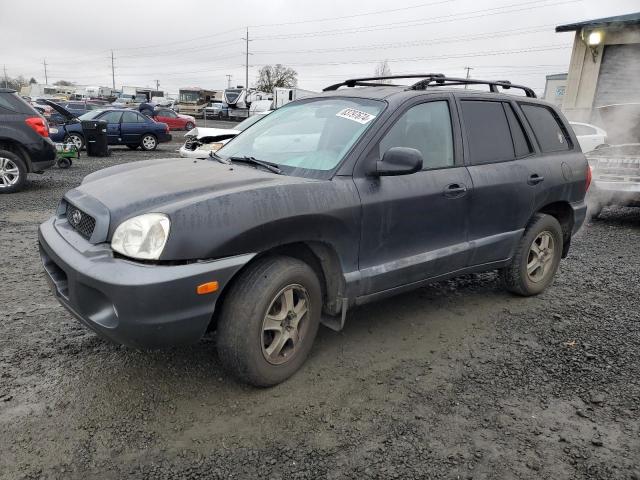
point(399, 161)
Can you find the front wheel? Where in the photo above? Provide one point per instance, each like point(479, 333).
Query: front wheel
point(188, 126)
point(537, 257)
point(269, 321)
point(149, 142)
point(76, 139)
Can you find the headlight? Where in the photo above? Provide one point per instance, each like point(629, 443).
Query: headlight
point(142, 237)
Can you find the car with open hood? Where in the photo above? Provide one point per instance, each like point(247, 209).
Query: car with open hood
point(358, 193)
point(124, 127)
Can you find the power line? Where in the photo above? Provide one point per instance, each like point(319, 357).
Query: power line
point(454, 17)
point(379, 12)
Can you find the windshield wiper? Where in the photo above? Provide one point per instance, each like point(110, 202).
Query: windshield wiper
point(272, 167)
point(214, 155)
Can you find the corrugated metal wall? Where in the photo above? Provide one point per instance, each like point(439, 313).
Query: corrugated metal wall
point(619, 79)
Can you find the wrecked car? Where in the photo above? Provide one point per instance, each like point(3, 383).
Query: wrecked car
point(201, 141)
point(358, 193)
point(616, 177)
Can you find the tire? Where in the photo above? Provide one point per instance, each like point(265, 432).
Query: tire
point(76, 139)
point(13, 172)
point(541, 229)
point(132, 147)
point(251, 346)
point(64, 163)
point(148, 142)
point(189, 126)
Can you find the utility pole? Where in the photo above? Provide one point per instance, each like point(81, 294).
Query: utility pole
point(228, 81)
point(468, 69)
point(157, 85)
point(246, 62)
point(46, 79)
point(113, 73)
point(6, 78)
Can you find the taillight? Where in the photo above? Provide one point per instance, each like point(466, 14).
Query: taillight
point(39, 125)
point(589, 178)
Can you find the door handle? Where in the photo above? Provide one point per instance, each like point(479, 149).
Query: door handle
point(535, 179)
point(455, 190)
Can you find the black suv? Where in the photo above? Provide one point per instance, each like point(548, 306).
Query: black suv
point(24, 142)
point(326, 203)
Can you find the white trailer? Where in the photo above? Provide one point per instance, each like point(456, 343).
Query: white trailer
point(282, 96)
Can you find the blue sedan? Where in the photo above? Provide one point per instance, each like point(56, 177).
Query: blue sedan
point(124, 127)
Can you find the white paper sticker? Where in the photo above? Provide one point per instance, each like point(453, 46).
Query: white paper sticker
point(355, 115)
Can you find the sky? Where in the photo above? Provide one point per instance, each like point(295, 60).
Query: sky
point(198, 43)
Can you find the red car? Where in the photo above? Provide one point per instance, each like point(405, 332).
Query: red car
point(174, 120)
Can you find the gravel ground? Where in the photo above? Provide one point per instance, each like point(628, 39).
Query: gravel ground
point(455, 380)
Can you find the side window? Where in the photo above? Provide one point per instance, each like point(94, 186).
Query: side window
point(548, 131)
point(111, 117)
point(427, 128)
point(520, 141)
point(141, 118)
point(488, 133)
point(129, 117)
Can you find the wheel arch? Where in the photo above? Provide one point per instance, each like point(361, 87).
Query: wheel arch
point(562, 212)
point(15, 147)
point(320, 256)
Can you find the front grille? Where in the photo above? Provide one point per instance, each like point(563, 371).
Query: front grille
point(82, 222)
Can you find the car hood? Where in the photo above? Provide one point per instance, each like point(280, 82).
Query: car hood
point(170, 185)
point(200, 132)
point(61, 110)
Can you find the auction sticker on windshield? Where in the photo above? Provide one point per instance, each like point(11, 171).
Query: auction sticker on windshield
point(355, 115)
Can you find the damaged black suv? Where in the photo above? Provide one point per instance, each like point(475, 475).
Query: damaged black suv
point(361, 192)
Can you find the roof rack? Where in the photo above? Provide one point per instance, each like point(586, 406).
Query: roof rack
point(431, 80)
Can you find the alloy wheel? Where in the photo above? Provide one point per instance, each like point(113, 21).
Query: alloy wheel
point(76, 140)
point(148, 142)
point(9, 173)
point(541, 256)
point(284, 325)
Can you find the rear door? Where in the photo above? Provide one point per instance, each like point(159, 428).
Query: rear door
point(133, 125)
point(113, 126)
point(414, 226)
point(505, 177)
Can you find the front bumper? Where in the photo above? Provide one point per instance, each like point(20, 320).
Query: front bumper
point(164, 137)
point(131, 303)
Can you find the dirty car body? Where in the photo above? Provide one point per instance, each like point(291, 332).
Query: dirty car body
point(377, 190)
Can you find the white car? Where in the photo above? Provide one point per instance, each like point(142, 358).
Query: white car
point(201, 141)
point(589, 136)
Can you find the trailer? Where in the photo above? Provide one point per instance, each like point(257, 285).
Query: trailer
point(239, 100)
point(282, 96)
point(193, 100)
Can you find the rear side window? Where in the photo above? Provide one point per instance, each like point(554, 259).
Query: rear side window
point(550, 134)
point(13, 103)
point(488, 133)
point(111, 117)
point(427, 128)
point(131, 117)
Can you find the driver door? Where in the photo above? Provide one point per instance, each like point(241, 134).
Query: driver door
point(415, 227)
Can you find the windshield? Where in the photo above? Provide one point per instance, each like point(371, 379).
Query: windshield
point(243, 125)
point(311, 135)
point(192, 97)
point(90, 115)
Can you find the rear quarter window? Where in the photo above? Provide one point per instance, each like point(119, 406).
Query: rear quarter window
point(547, 128)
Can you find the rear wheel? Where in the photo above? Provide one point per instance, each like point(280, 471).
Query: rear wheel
point(13, 172)
point(76, 139)
point(149, 142)
point(537, 257)
point(269, 320)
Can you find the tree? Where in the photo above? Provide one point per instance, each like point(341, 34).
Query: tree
point(272, 76)
point(64, 83)
point(32, 81)
point(383, 70)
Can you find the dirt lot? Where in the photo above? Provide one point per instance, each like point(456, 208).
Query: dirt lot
point(455, 380)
